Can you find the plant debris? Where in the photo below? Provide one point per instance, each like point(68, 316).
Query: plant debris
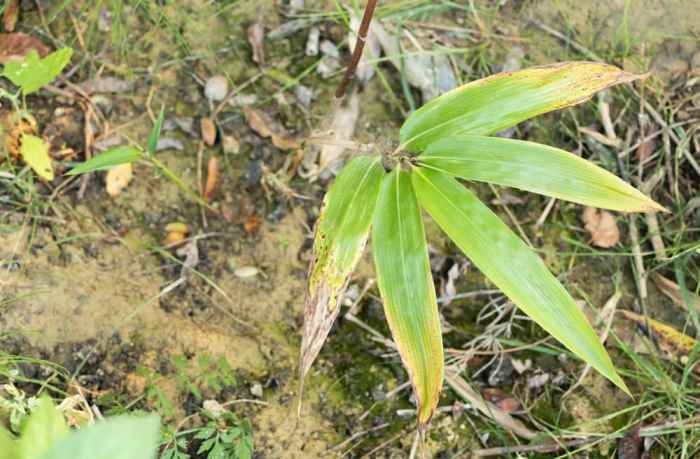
point(601, 226)
point(266, 127)
point(16, 46)
point(117, 178)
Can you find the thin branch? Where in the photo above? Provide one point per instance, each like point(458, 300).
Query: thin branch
point(359, 47)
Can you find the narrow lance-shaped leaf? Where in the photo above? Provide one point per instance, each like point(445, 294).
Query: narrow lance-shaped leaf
point(533, 167)
point(108, 159)
point(41, 431)
point(503, 100)
point(511, 265)
point(342, 230)
point(406, 285)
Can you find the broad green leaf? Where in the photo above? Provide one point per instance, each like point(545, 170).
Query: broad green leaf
point(121, 437)
point(108, 159)
point(8, 445)
point(35, 152)
point(533, 167)
point(154, 135)
point(341, 234)
point(32, 72)
point(511, 265)
point(44, 427)
point(406, 285)
point(488, 105)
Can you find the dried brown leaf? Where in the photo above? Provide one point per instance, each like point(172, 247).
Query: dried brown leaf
point(265, 126)
point(16, 45)
point(342, 127)
point(505, 420)
point(118, 178)
point(672, 343)
point(251, 225)
point(208, 130)
point(602, 227)
point(630, 446)
point(645, 149)
point(256, 37)
point(9, 19)
point(212, 178)
point(504, 401)
point(673, 291)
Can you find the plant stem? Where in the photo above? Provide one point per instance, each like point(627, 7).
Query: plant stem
point(359, 47)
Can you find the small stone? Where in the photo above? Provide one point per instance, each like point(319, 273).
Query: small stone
point(256, 390)
point(216, 88)
point(214, 408)
point(230, 145)
point(313, 41)
point(246, 272)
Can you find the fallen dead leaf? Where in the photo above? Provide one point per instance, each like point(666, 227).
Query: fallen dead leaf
point(212, 178)
point(673, 291)
point(208, 130)
point(16, 45)
point(9, 19)
point(504, 401)
point(251, 225)
point(118, 178)
point(256, 36)
point(672, 343)
point(645, 149)
point(176, 232)
point(602, 227)
point(265, 126)
point(343, 121)
point(630, 446)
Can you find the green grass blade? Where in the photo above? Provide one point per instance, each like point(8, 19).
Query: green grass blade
point(154, 135)
point(511, 266)
point(534, 167)
point(110, 158)
point(488, 105)
point(341, 234)
point(406, 285)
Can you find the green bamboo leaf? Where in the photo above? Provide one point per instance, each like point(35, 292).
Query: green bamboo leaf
point(41, 431)
point(488, 105)
point(534, 167)
point(8, 445)
point(511, 265)
point(406, 285)
point(121, 437)
point(108, 159)
point(342, 230)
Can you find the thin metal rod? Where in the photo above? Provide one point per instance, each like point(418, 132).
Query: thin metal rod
point(359, 47)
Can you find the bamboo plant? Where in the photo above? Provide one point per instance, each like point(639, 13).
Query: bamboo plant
point(447, 140)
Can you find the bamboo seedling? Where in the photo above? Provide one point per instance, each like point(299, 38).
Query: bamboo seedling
point(451, 138)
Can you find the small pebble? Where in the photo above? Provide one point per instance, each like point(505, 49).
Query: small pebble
point(256, 390)
point(216, 88)
point(246, 272)
point(312, 42)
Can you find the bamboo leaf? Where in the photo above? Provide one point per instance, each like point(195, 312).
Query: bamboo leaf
point(511, 265)
point(488, 105)
point(534, 167)
point(120, 437)
point(108, 159)
point(41, 431)
point(341, 234)
point(406, 285)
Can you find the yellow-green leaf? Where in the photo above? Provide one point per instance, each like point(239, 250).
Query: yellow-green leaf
point(511, 266)
point(488, 105)
point(533, 167)
point(35, 152)
point(406, 285)
point(8, 445)
point(41, 431)
point(342, 230)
